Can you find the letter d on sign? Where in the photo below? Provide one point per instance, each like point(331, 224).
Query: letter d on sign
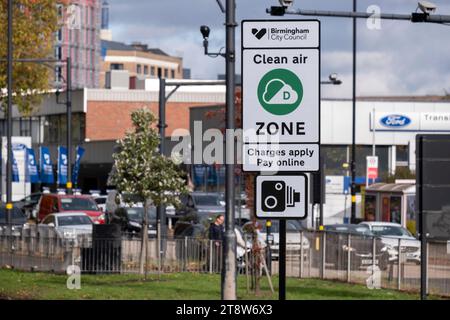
point(286, 95)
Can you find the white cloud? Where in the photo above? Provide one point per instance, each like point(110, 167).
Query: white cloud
point(400, 58)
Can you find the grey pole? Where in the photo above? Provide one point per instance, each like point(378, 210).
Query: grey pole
point(422, 225)
point(69, 124)
point(353, 164)
point(229, 261)
point(162, 133)
point(9, 205)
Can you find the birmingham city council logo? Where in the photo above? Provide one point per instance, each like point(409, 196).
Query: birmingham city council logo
point(280, 92)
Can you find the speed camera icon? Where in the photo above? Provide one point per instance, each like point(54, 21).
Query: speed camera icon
point(281, 196)
point(276, 196)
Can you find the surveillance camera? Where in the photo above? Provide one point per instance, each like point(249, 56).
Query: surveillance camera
point(205, 31)
point(427, 7)
point(333, 77)
point(286, 3)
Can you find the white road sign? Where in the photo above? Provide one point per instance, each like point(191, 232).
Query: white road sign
point(281, 196)
point(280, 95)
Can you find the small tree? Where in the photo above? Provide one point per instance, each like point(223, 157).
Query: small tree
point(141, 170)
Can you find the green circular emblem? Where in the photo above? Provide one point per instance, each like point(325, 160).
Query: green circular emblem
point(280, 91)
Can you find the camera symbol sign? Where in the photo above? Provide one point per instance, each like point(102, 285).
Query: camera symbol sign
point(281, 196)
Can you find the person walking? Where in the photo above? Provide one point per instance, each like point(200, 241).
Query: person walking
point(216, 230)
point(216, 235)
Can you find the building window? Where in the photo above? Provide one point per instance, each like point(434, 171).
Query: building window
point(402, 155)
point(25, 127)
point(116, 66)
point(56, 129)
point(166, 73)
point(145, 69)
point(138, 69)
point(58, 52)
point(172, 74)
point(58, 74)
point(59, 35)
point(334, 158)
point(152, 71)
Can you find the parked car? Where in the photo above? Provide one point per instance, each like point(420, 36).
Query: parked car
point(29, 203)
point(390, 234)
point(360, 249)
point(293, 237)
point(18, 219)
point(100, 201)
point(67, 226)
point(60, 203)
point(132, 215)
point(131, 220)
point(200, 202)
point(193, 225)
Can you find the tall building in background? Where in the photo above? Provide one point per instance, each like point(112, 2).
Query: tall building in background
point(105, 32)
point(79, 39)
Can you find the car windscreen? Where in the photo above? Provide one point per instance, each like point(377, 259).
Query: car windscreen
point(16, 214)
point(131, 198)
point(206, 200)
point(78, 204)
point(136, 213)
point(359, 230)
point(100, 200)
point(390, 231)
point(77, 220)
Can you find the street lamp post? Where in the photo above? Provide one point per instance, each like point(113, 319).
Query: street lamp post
point(229, 264)
point(228, 284)
point(353, 161)
point(9, 204)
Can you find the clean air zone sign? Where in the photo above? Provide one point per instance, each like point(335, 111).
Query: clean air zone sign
point(281, 95)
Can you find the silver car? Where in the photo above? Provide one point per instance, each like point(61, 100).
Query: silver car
point(67, 226)
point(391, 234)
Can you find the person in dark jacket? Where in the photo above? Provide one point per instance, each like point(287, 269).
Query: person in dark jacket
point(216, 230)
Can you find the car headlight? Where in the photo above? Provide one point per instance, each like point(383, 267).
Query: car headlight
point(69, 234)
point(135, 224)
point(347, 248)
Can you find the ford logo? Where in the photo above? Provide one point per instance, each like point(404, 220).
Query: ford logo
point(395, 120)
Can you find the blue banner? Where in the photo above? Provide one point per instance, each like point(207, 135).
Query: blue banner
point(199, 174)
point(76, 168)
point(31, 168)
point(62, 165)
point(15, 170)
point(46, 166)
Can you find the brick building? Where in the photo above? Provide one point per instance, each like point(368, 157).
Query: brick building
point(101, 117)
point(138, 61)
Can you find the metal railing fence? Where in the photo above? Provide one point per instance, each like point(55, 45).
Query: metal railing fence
point(372, 261)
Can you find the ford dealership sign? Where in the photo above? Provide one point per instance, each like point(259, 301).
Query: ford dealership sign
point(395, 121)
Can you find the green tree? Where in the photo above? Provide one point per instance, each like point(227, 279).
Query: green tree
point(139, 169)
point(34, 25)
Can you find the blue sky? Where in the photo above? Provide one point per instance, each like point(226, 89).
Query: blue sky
point(400, 58)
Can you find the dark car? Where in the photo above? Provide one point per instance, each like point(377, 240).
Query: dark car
point(193, 225)
point(201, 203)
point(28, 203)
point(131, 219)
point(18, 218)
point(354, 241)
